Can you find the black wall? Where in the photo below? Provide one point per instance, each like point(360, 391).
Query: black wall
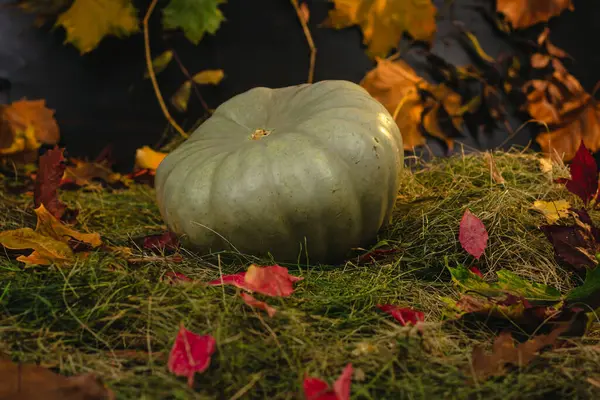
point(102, 98)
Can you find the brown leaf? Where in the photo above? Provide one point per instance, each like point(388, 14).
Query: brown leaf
point(50, 173)
point(83, 173)
point(524, 13)
point(396, 85)
point(383, 22)
point(31, 382)
point(504, 352)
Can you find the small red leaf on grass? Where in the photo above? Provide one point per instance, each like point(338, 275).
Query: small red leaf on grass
point(472, 234)
point(272, 280)
point(584, 175)
point(377, 254)
point(160, 242)
point(476, 271)
point(316, 389)
point(51, 169)
point(254, 303)
point(190, 353)
point(236, 280)
point(405, 315)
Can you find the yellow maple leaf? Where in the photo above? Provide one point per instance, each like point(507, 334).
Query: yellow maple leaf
point(552, 210)
point(396, 85)
point(146, 158)
point(524, 13)
point(384, 21)
point(87, 22)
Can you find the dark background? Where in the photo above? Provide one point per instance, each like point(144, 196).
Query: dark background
point(101, 97)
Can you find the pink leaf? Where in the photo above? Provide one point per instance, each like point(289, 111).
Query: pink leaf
point(236, 280)
point(316, 389)
point(404, 315)
point(584, 175)
point(476, 271)
point(190, 354)
point(472, 234)
point(252, 302)
point(272, 280)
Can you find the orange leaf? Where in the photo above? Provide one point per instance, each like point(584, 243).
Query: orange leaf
point(272, 280)
point(384, 21)
point(524, 13)
point(146, 158)
point(253, 302)
point(83, 173)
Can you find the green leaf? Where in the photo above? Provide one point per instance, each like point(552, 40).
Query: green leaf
point(530, 290)
point(195, 17)
point(589, 292)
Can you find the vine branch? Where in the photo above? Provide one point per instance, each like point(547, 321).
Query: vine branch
point(161, 101)
point(309, 40)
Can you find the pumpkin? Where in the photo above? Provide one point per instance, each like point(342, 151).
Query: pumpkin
point(303, 171)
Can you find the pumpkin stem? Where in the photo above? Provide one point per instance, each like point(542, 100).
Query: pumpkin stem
point(259, 133)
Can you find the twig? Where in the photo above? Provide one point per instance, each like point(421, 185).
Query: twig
point(309, 40)
point(161, 101)
point(194, 84)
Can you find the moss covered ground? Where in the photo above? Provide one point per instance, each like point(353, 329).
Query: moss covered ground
point(119, 319)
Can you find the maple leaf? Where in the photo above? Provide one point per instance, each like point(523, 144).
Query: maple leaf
point(146, 158)
point(383, 22)
point(194, 17)
point(25, 124)
point(84, 174)
point(50, 240)
point(397, 86)
point(404, 315)
point(87, 22)
point(317, 389)
point(472, 235)
point(254, 303)
point(578, 244)
point(190, 353)
point(30, 381)
point(552, 210)
point(48, 178)
point(504, 353)
point(522, 14)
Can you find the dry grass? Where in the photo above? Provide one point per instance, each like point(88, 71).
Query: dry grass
point(119, 320)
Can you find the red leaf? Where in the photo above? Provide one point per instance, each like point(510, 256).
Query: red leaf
point(316, 389)
point(252, 302)
point(377, 254)
point(584, 175)
point(190, 354)
point(272, 280)
point(161, 242)
point(404, 315)
point(236, 280)
point(476, 271)
point(51, 169)
point(472, 234)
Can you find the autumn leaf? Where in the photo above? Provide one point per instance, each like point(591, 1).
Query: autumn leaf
point(552, 210)
point(317, 389)
point(161, 242)
point(30, 382)
point(48, 178)
point(383, 22)
point(472, 235)
point(160, 62)
point(175, 278)
point(87, 22)
point(191, 353)
point(505, 353)
point(85, 174)
point(397, 86)
point(209, 77)
point(272, 280)
point(525, 13)
point(404, 315)
point(146, 158)
point(254, 303)
point(194, 17)
point(181, 97)
point(584, 175)
point(25, 125)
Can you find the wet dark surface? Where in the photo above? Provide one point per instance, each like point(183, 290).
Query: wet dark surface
point(102, 98)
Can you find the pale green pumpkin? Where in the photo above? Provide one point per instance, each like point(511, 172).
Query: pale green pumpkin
point(307, 169)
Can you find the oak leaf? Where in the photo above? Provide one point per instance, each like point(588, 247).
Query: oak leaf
point(383, 22)
point(190, 353)
point(195, 17)
point(524, 13)
point(30, 381)
point(87, 22)
point(398, 87)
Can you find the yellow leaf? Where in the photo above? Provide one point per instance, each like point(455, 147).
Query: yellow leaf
point(384, 21)
point(181, 97)
point(46, 249)
point(88, 21)
point(552, 210)
point(49, 225)
point(160, 62)
point(524, 13)
point(545, 165)
point(146, 158)
point(209, 77)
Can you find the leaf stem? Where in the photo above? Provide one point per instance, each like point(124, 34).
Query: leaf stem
point(159, 97)
point(309, 40)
